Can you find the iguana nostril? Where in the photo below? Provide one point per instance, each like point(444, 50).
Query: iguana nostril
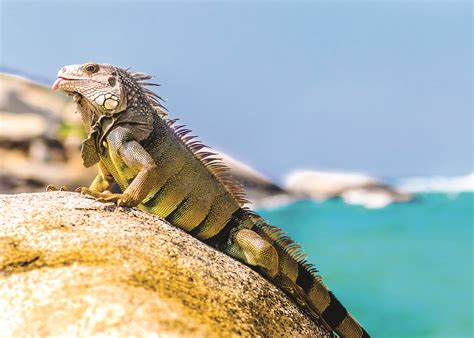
point(63, 69)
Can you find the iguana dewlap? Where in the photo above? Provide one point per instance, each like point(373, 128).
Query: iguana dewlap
point(164, 171)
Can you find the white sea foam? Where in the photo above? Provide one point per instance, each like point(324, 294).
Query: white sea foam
point(438, 184)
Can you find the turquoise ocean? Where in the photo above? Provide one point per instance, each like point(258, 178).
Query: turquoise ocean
point(405, 270)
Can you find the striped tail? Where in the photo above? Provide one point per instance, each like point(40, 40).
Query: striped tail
point(300, 280)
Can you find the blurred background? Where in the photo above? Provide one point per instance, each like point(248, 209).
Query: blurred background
point(350, 123)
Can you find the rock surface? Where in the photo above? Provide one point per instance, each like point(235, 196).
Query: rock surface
point(72, 266)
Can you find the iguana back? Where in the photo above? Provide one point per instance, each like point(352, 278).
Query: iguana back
point(163, 170)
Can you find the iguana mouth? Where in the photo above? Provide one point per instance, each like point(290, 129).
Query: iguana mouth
point(74, 95)
point(56, 83)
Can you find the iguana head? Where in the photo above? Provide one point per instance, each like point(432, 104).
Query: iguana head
point(100, 87)
point(103, 89)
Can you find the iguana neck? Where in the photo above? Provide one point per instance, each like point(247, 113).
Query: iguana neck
point(88, 117)
point(138, 118)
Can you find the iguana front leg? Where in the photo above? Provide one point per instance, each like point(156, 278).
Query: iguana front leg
point(124, 147)
point(100, 185)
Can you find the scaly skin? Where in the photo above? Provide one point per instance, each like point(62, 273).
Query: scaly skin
point(163, 171)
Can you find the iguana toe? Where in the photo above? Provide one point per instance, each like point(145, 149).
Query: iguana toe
point(123, 200)
point(106, 196)
point(52, 187)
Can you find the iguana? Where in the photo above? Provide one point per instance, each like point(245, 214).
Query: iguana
point(163, 170)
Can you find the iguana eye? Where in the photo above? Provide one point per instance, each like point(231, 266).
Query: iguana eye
point(91, 68)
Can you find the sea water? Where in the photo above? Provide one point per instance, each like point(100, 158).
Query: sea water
point(404, 271)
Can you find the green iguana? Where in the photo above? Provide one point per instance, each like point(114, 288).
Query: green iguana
point(163, 170)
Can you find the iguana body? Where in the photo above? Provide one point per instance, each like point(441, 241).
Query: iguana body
point(162, 170)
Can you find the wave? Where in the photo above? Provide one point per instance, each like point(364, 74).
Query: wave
point(438, 184)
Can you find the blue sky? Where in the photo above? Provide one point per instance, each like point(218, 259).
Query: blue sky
point(379, 87)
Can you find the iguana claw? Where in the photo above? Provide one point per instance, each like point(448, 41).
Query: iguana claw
point(106, 196)
point(119, 199)
point(52, 187)
point(82, 190)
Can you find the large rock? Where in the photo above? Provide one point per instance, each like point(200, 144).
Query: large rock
point(71, 266)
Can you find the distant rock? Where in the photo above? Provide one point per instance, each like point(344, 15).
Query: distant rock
point(16, 128)
point(353, 188)
point(40, 138)
point(261, 191)
point(374, 198)
point(70, 266)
